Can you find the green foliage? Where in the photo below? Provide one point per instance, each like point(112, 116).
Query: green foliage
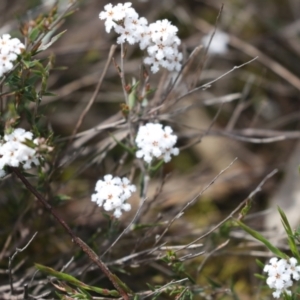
point(178, 266)
point(290, 234)
point(263, 240)
point(75, 282)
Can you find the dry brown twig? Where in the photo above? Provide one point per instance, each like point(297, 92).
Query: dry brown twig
point(238, 208)
point(191, 202)
point(250, 50)
point(93, 98)
point(85, 248)
point(18, 250)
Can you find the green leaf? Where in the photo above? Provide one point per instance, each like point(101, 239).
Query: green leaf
point(48, 94)
point(30, 64)
point(43, 47)
point(290, 233)
point(157, 166)
point(122, 284)
point(34, 33)
point(285, 221)
point(132, 96)
point(259, 276)
point(246, 208)
point(62, 197)
point(122, 144)
point(213, 283)
point(260, 238)
point(72, 280)
point(259, 263)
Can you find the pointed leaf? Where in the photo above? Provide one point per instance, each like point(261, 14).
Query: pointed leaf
point(34, 33)
point(75, 282)
point(290, 233)
point(260, 238)
point(43, 47)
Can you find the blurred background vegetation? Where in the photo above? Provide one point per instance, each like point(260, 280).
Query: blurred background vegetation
point(264, 105)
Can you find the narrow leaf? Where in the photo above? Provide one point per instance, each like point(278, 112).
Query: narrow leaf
point(260, 238)
point(43, 47)
point(34, 33)
point(290, 233)
point(74, 281)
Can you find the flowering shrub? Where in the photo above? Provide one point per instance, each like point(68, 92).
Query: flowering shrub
point(158, 242)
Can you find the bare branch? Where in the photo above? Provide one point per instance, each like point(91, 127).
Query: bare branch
point(18, 250)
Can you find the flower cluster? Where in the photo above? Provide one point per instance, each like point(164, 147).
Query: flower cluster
point(112, 193)
point(9, 51)
point(280, 275)
point(159, 38)
point(155, 141)
point(14, 152)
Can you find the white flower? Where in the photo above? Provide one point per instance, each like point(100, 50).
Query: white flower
point(135, 24)
point(8, 151)
point(174, 61)
point(126, 10)
point(110, 15)
point(16, 46)
point(18, 135)
point(153, 62)
point(275, 265)
point(9, 51)
point(280, 275)
point(118, 212)
point(127, 188)
point(5, 62)
point(112, 192)
point(159, 38)
point(4, 43)
point(113, 14)
point(154, 141)
point(164, 31)
point(14, 152)
point(293, 269)
point(125, 35)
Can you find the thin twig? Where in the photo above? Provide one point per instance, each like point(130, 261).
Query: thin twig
point(93, 98)
point(191, 202)
point(164, 287)
point(241, 105)
point(122, 74)
point(85, 248)
point(202, 65)
point(251, 51)
point(211, 253)
point(264, 136)
point(255, 191)
point(5, 247)
point(208, 84)
point(126, 229)
point(18, 250)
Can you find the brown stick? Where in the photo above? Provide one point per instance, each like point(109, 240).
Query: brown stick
point(85, 248)
point(92, 100)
